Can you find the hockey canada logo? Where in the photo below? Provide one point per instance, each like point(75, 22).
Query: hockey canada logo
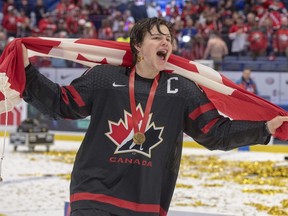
point(121, 134)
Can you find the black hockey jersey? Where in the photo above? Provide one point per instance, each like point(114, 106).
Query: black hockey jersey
point(110, 172)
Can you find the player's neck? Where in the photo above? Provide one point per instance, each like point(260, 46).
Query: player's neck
point(145, 71)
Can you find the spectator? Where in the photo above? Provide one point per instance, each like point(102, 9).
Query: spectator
point(25, 7)
point(216, 49)
point(89, 30)
point(122, 6)
point(224, 31)
point(210, 23)
point(61, 26)
point(257, 41)
point(96, 8)
point(246, 82)
point(62, 8)
point(251, 21)
point(239, 5)
point(121, 34)
point(9, 21)
point(23, 24)
point(198, 44)
point(5, 6)
point(39, 11)
point(47, 25)
point(238, 35)
point(172, 9)
point(277, 5)
point(228, 5)
point(267, 27)
point(117, 20)
point(129, 20)
point(139, 10)
point(96, 13)
point(280, 39)
point(151, 10)
point(187, 33)
point(175, 44)
point(259, 11)
point(105, 32)
point(74, 22)
point(274, 15)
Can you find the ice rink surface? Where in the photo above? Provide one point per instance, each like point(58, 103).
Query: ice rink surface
point(37, 184)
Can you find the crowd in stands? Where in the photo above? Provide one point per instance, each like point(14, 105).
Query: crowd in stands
point(241, 27)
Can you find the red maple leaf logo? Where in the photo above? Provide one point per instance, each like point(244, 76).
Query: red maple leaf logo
point(121, 134)
point(119, 131)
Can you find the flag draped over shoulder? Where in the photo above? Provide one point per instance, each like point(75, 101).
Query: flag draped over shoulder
point(228, 98)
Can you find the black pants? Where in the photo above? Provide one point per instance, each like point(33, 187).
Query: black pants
point(90, 212)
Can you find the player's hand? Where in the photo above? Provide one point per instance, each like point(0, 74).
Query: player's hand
point(25, 56)
point(275, 123)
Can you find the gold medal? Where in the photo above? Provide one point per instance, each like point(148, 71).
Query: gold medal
point(139, 138)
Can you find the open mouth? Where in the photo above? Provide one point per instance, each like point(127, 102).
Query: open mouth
point(162, 54)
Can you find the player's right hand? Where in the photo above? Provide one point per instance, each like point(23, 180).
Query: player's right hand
point(25, 56)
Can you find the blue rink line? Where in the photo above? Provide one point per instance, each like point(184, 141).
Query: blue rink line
point(272, 148)
point(244, 148)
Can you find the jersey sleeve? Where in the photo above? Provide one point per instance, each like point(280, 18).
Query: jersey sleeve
point(58, 102)
point(214, 131)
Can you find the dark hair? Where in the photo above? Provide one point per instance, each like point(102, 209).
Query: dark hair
point(140, 29)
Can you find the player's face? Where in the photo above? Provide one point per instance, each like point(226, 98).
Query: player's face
point(156, 48)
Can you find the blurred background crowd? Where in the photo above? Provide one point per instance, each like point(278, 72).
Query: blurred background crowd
point(204, 29)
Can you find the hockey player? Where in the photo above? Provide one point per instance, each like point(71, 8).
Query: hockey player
point(128, 162)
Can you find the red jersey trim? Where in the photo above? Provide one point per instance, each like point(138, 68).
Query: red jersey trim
point(207, 127)
point(200, 110)
point(64, 95)
point(76, 96)
point(153, 208)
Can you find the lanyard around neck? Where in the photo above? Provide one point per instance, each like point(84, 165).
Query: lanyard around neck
point(139, 133)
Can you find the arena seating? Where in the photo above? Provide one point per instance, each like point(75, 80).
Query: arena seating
point(235, 63)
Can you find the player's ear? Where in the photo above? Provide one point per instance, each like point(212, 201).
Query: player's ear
point(138, 47)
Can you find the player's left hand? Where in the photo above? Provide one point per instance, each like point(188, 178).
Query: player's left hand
point(275, 123)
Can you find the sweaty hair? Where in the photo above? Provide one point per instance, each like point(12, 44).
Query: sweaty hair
point(141, 28)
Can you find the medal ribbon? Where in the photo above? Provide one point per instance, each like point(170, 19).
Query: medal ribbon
point(133, 102)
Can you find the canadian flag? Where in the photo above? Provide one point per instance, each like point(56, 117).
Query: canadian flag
point(228, 98)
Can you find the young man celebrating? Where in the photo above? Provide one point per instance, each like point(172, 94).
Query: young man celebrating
point(128, 162)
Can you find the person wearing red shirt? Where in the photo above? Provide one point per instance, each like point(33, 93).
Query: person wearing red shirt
point(6, 4)
point(280, 39)
point(172, 9)
point(74, 22)
point(105, 32)
point(258, 41)
point(47, 24)
point(9, 22)
point(62, 8)
point(273, 12)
